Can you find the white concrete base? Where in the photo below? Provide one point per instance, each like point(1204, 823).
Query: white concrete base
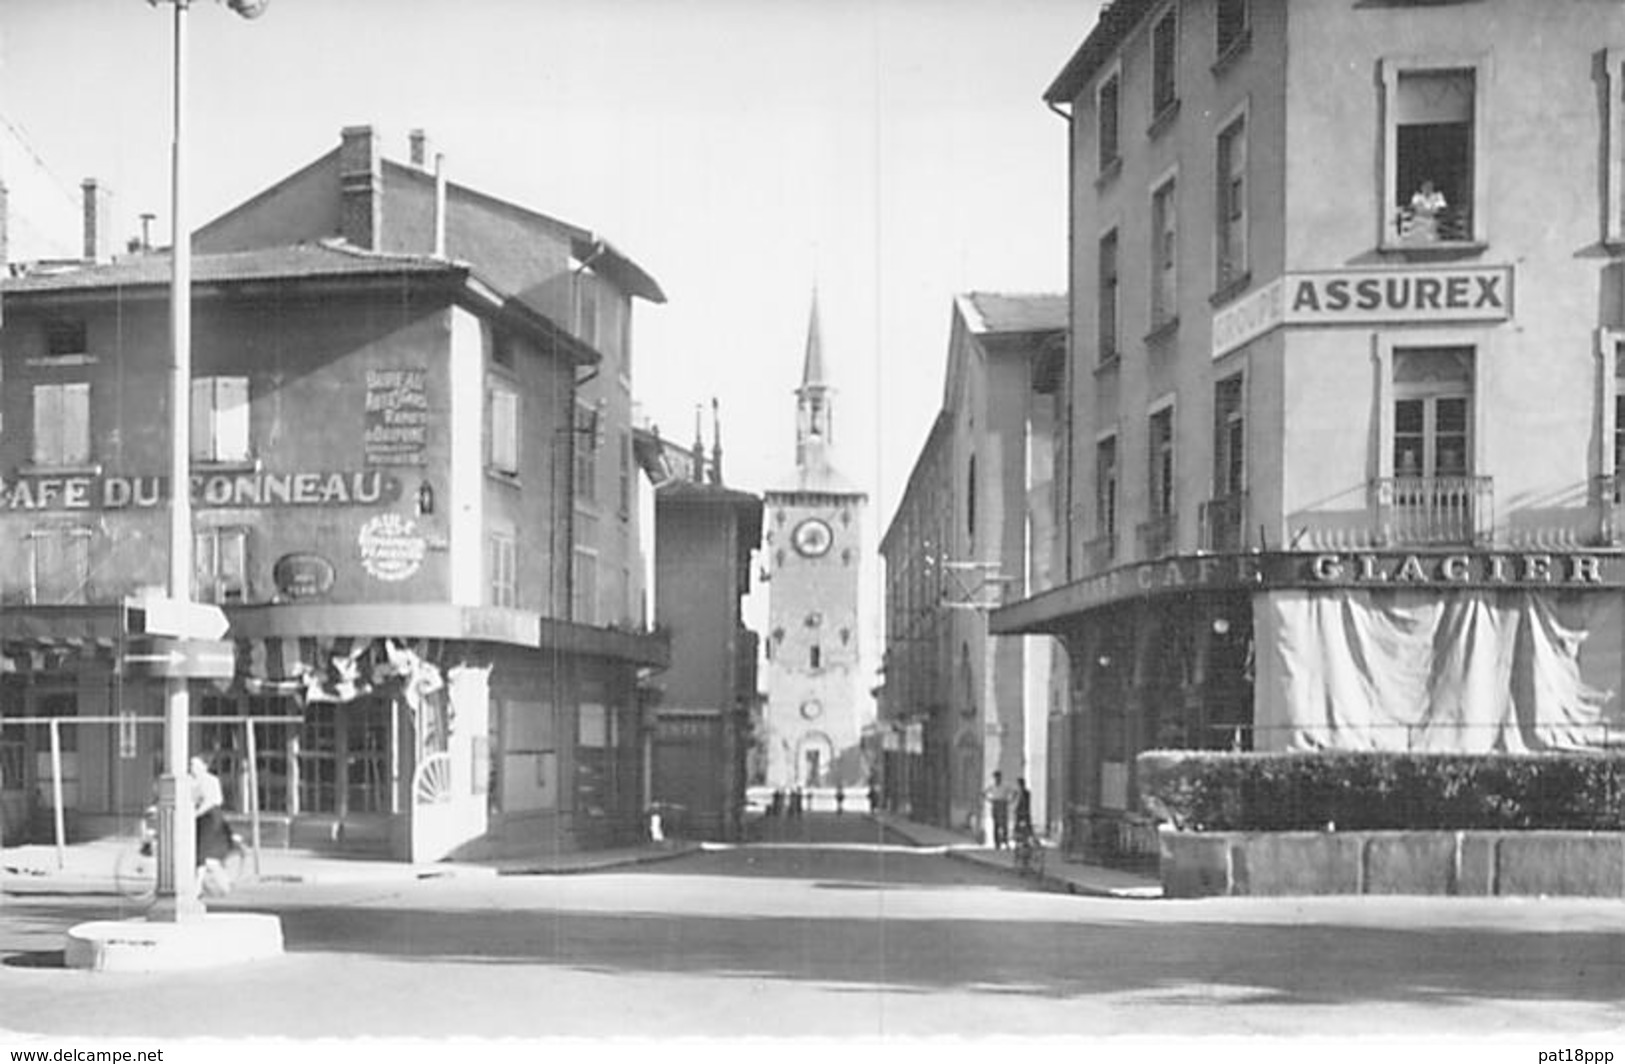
point(214, 940)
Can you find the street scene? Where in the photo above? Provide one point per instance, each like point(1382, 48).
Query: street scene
point(840, 929)
point(835, 521)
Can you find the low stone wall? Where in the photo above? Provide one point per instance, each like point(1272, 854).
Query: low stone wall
point(1468, 863)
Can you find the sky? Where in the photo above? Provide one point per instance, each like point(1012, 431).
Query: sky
point(889, 153)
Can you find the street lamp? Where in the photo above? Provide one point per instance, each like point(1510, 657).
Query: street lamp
point(177, 876)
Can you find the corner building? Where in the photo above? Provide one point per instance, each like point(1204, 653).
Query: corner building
point(387, 474)
point(1341, 468)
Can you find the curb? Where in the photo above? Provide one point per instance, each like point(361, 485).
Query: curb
point(652, 857)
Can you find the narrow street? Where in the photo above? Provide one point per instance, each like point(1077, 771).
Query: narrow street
point(826, 927)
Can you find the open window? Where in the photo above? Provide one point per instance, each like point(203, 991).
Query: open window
point(1433, 175)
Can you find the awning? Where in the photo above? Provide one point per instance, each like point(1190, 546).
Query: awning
point(341, 668)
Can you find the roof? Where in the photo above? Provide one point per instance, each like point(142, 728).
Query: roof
point(994, 312)
point(323, 262)
point(1117, 20)
point(294, 262)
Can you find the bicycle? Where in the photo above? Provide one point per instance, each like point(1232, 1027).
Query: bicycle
point(135, 871)
point(1028, 853)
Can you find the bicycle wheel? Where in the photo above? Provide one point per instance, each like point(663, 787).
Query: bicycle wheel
point(135, 873)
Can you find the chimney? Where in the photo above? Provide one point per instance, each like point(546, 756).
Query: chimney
point(439, 205)
point(96, 200)
point(361, 187)
point(420, 147)
point(716, 442)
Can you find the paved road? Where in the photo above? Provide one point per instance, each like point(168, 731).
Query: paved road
point(865, 939)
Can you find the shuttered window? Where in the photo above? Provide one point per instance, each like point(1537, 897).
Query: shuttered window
point(62, 424)
point(220, 419)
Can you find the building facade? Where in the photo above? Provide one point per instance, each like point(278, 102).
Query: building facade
point(1344, 394)
point(705, 537)
point(383, 444)
point(973, 530)
point(813, 541)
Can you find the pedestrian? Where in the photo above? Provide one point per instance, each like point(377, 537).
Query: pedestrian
point(795, 803)
point(1023, 811)
point(840, 798)
point(998, 810)
point(874, 797)
point(212, 831)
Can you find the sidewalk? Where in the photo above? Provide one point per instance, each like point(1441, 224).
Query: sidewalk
point(1072, 877)
point(88, 867)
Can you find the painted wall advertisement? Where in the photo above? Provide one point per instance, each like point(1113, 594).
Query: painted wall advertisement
point(397, 428)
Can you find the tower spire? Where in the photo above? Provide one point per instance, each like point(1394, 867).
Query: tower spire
point(813, 420)
point(812, 369)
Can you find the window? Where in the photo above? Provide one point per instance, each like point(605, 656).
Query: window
point(66, 338)
point(1162, 464)
point(220, 565)
point(1107, 323)
point(58, 566)
point(1164, 42)
point(1232, 27)
point(1229, 439)
point(815, 657)
point(1230, 205)
point(502, 454)
point(502, 348)
point(1432, 177)
point(62, 424)
point(1107, 114)
point(587, 309)
point(624, 499)
point(1164, 254)
point(1106, 489)
point(1432, 412)
point(586, 453)
point(1614, 132)
point(220, 419)
point(501, 570)
point(584, 586)
point(970, 499)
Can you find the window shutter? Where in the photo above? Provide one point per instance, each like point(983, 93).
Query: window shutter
point(47, 424)
point(231, 419)
point(76, 423)
point(202, 419)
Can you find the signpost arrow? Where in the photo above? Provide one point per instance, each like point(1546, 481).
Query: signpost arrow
point(168, 657)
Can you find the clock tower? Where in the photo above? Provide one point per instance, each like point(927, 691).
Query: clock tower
point(813, 532)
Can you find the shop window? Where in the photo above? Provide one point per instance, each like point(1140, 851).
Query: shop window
point(1108, 108)
point(502, 449)
point(1164, 254)
point(58, 566)
point(1106, 324)
point(1230, 205)
point(1234, 27)
point(220, 565)
point(1432, 174)
point(62, 424)
point(502, 570)
point(1164, 64)
point(220, 419)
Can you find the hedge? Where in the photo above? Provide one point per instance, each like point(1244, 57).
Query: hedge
point(1200, 791)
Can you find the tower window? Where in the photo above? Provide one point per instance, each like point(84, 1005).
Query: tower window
point(815, 657)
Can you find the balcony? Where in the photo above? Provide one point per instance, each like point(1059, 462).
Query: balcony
point(1224, 524)
point(1098, 553)
point(1609, 495)
point(1156, 536)
point(1433, 511)
point(1448, 225)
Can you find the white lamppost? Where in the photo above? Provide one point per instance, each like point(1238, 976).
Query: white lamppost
point(176, 886)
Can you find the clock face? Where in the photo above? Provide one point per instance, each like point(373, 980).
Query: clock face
point(812, 709)
point(812, 537)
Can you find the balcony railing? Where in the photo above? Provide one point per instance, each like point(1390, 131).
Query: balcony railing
point(1608, 494)
point(1449, 225)
point(1224, 524)
point(1156, 536)
point(1099, 553)
point(1433, 510)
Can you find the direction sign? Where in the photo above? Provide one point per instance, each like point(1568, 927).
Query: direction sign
point(180, 618)
point(167, 657)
